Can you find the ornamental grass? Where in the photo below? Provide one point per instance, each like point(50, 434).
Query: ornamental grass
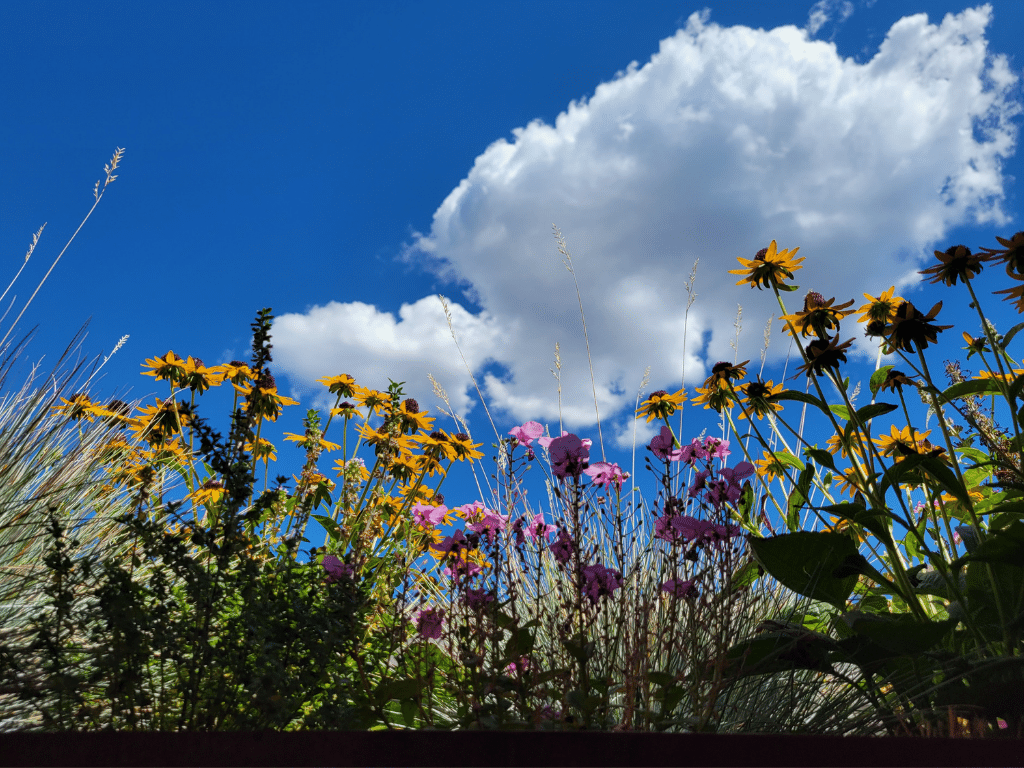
point(889, 600)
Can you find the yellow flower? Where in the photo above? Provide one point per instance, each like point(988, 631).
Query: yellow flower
point(79, 407)
point(835, 444)
point(1011, 254)
point(661, 404)
point(304, 441)
point(198, 377)
point(170, 367)
point(845, 526)
point(209, 492)
point(770, 467)
point(1006, 377)
point(880, 309)
point(264, 451)
point(818, 317)
point(758, 394)
point(236, 372)
point(768, 268)
point(343, 384)
point(264, 398)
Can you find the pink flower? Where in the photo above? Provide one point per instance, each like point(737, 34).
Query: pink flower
point(680, 588)
point(491, 523)
point(337, 569)
point(428, 622)
point(600, 581)
point(477, 598)
point(526, 434)
point(569, 455)
point(603, 473)
point(716, 447)
point(663, 446)
point(698, 483)
point(518, 666)
point(537, 529)
point(460, 567)
point(428, 516)
point(695, 450)
point(454, 543)
point(562, 549)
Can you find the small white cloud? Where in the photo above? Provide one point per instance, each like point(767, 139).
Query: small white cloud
point(726, 139)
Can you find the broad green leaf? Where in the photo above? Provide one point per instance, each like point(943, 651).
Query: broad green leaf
point(874, 520)
point(332, 528)
point(790, 647)
point(877, 378)
point(974, 387)
point(868, 412)
point(903, 634)
point(798, 498)
point(1010, 334)
point(804, 562)
point(789, 459)
point(841, 411)
point(1002, 546)
point(803, 397)
point(824, 458)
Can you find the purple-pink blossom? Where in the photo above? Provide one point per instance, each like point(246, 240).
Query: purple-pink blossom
point(337, 569)
point(680, 588)
point(562, 549)
point(526, 434)
point(461, 568)
point(569, 455)
point(477, 598)
point(428, 622)
point(454, 543)
point(600, 581)
point(428, 516)
point(603, 473)
point(694, 451)
point(490, 524)
point(518, 666)
point(663, 446)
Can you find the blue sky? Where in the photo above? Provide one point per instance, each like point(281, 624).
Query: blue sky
point(345, 163)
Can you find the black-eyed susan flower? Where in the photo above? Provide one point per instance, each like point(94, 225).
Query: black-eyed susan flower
point(758, 398)
point(716, 397)
point(909, 330)
point(169, 367)
point(264, 450)
point(818, 317)
point(723, 372)
point(846, 526)
point(835, 445)
point(198, 377)
point(906, 439)
point(896, 380)
point(437, 445)
point(823, 353)
point(161, 421)
point(955, 263)
point(661, 405)
point(1011, 254)
point(412, 419)
point(974, 345)
point(263, 399)
point(236, 372)
point(306, 442)
point(209, 492)
point(769, 268)
point(78, 407)
point(1006, 377)
point(1014, 293)
point(880, 309)
point(770, 466)
point(464, 449)
point(342, 385)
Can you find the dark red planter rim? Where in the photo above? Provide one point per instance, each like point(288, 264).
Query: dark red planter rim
point(492, 748)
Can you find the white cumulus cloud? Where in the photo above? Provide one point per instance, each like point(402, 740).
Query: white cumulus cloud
point(727, 138)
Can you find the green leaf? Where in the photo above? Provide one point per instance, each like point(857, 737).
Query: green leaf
point(798, 498)
point(1015, 387)
point(789, 459)
point(877, 378)
point(803, 397)
point(868, 412)
point(332, 528)
point(1002, 546)
point(804, 562)
point(975, 387)
point(663, 679)
point(824, 458)
point(1010, 334)
point(409, 711)
point(580, 650)
point(900, 633)
point(841, 411)
point(873, 520)
point(789, 646)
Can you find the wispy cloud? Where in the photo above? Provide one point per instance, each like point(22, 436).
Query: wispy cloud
point(726, 139)
point(824, 11)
